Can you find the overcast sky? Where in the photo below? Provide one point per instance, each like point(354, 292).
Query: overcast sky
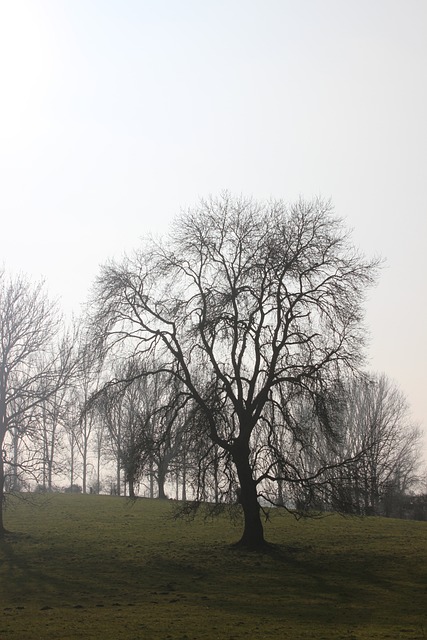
point(115, 114)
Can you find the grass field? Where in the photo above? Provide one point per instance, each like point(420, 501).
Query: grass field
point(103, 567)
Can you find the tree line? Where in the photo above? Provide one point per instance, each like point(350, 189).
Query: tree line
point(224, 361)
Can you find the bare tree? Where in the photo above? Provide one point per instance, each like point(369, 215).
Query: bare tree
point(49, 436)
point(73, 466)
point(135, 412)
point(143, 411)
point(165, 432)
point(86, 385)
point(375, 420)
point(99, 446)
point(254, 296)
point(107, 404)
point(34, 365)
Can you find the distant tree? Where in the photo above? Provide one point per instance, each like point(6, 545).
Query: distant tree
point(248, 297)
point(183, 463)
point(99, 440)
point(72, 467)
point(210, 471)
point(135, 411)
point(165, 433)
point(49, 436)
point(375, 420)
point(35, 364)
point(107, 404)
point(143, 412)
point(82, 422)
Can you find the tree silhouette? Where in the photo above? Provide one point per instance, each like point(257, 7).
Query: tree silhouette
point(242, 301)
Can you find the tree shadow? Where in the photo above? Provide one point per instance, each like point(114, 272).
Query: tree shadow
point(25, 580)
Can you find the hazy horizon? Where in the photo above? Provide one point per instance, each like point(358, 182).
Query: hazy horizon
point(114, 116)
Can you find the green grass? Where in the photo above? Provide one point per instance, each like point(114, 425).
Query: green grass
point(103, 567)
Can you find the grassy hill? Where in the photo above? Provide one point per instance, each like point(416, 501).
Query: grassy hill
point(102, 567)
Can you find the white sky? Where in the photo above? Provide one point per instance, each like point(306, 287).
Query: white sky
point(115, 114)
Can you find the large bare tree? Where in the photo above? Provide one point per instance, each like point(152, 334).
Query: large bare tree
point(240, 299)
point(35, 363)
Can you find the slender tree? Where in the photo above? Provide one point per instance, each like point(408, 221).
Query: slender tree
point(53, 415)
point(241, 299)
point(34, 364)
point(375, 419)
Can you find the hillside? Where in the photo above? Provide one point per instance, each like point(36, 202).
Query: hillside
point(102, 567)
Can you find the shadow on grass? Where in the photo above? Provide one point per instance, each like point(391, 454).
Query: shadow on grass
point(303, 583)
point(292, 582)
point(32, 577)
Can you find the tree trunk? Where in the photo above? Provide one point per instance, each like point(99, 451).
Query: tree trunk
point(216, 481)
point(85, 462)
point(280, 494)
point(2, 529)
point(98, 470)
point(15, 481)
point(151, 480)
point(50, 460)
point(118, 476)
point(184, 480)
point(161, 478)
point(253, 532)
point(72, 461)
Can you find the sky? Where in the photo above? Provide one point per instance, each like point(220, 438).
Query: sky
point(117, 114)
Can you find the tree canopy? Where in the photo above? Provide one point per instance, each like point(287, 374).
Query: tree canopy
point(246, 303)
point(35, 364)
